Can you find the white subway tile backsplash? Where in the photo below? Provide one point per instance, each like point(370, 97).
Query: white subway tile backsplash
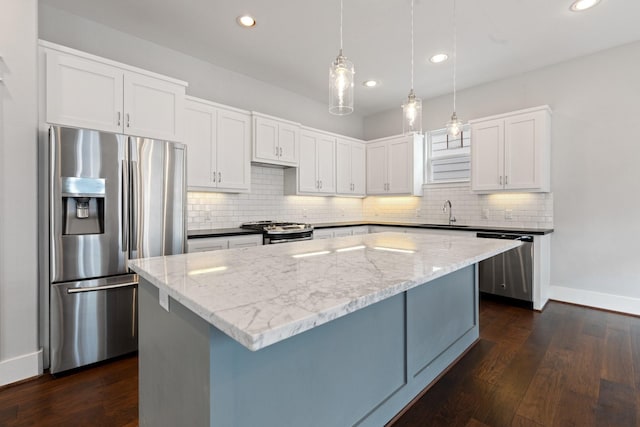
point(266, 201)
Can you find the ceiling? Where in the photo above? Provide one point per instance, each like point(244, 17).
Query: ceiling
point(294, 41)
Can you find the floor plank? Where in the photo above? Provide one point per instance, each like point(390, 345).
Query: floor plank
point(541, 400)
point(616, 405)
point(617, 365)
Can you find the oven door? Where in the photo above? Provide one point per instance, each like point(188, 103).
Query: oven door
point(272, 239)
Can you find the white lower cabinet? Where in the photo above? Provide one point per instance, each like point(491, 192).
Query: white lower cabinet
point(227, 242)
point(219, 147)
point(328, 233)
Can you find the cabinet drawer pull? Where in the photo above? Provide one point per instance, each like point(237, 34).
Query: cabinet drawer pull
point(128, 120)
point(219, 176)
point(213, 176)
point(119, 114)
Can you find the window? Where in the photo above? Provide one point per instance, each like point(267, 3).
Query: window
point(447, 159)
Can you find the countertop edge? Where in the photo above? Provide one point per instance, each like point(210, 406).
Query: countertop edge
point(258, 341)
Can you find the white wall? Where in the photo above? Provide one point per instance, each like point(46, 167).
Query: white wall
point(205, 80)
point(19, 355)
point(595, 172)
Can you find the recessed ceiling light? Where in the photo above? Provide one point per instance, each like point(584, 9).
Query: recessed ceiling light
point(579, 5)
point(438, 58)
point(370, 83)
point(246, 21)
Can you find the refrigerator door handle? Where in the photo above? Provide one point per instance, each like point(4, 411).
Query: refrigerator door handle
point(134, 205)
point(125, 206)
point(100, 288)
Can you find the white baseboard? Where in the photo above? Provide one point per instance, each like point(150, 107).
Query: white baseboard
point(601, 300)
point(21, 367)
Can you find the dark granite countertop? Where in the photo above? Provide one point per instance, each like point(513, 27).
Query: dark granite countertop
point(481, 228)
point(221, 232)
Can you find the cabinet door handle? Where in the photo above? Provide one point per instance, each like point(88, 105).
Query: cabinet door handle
point(128, 120)
point(277, 152)
point(219, 176)
point(320, 184)
point(119, 114)
point(506, 180)
point(500, 179)
point(213, 176)
point(280, 151)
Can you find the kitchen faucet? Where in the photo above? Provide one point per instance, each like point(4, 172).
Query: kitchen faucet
point(444, 209)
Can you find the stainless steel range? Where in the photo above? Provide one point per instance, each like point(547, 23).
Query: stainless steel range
point(281, 232)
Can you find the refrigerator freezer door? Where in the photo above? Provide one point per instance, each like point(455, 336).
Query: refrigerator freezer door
point(93, 320)
point(158, 198)
point(86, 204)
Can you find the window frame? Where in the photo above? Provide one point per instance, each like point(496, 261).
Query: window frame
point(428, 168)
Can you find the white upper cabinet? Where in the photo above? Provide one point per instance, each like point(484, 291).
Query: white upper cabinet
point(350, 168)
point(86, 91)
point(219, 144)
point(316, 173)
point(395, 166)
point(275, 141)
point(512, 151)
point(152, 107)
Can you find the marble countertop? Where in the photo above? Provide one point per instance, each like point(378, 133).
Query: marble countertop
point(262, 295)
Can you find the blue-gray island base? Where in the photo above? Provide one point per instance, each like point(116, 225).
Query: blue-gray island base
point(337, 332)
point(360, 369)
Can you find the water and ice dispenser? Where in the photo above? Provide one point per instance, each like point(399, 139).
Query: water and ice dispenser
point(83, 205)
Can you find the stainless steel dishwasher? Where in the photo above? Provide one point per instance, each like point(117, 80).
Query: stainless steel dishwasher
point(509, 274)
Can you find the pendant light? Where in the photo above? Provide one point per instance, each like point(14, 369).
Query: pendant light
point(454, 126)
point(412, 108)
point(341, 81)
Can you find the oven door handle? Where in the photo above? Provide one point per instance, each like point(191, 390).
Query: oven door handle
point(298, 239)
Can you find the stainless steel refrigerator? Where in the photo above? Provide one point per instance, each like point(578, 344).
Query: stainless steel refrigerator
point(108, 198)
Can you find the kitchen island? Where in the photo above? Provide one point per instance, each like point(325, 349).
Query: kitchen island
point(336, 332)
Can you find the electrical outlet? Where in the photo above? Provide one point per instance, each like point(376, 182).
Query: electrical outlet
point(485, 213)
point(508, 214)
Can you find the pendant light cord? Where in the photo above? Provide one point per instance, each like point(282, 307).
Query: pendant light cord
point(455, 53)
point(412, 1)
point(340, 27)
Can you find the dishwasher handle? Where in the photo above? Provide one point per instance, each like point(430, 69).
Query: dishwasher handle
point(526, 238)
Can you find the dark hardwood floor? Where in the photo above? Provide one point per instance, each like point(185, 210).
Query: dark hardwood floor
point(567, 366)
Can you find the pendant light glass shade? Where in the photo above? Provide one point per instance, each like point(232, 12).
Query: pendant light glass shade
point(412, 108)
point(341, 86)
point(454, 126)
point(412, 115)
point(341, 81)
